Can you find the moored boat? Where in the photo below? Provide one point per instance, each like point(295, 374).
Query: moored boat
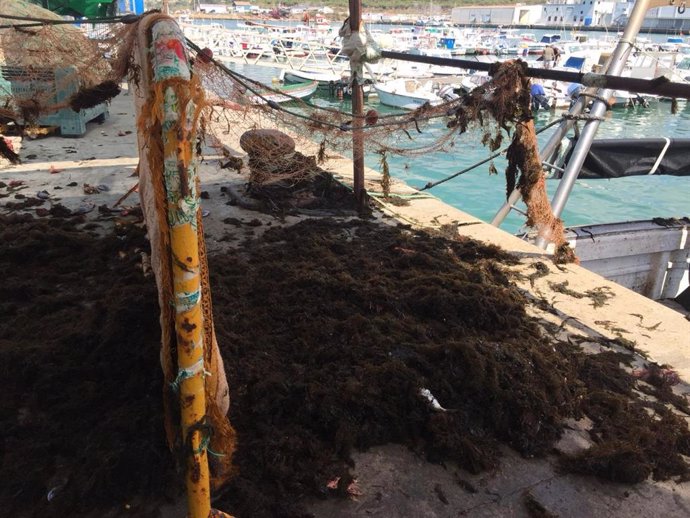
point(324, 78)
point(408, 94)
point(285, 93)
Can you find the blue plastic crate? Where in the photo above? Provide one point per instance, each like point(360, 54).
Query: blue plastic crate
point(26, 82)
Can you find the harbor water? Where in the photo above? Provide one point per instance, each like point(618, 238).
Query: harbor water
point(481, 194)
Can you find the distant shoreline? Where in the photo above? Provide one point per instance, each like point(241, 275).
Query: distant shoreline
point(556, 28)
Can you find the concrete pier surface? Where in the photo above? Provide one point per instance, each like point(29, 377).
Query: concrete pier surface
point(393, 482)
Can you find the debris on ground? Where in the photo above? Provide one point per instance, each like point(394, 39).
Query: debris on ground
point(332, 333)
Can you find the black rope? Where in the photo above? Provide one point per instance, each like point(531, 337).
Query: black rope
point(39, 22)
point(598, 97)
point(482, 162)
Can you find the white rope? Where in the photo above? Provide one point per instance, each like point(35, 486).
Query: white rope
point(360, 47)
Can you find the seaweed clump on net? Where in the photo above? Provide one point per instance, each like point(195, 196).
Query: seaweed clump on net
point(506, 101)
point(338, 334)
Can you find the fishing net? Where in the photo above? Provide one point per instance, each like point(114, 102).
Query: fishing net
point(42, 65)
point(500, 108)
point(228, 104)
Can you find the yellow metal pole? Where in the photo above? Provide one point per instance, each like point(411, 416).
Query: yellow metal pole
point(167, 125)
point(190, 358)
point(172, 77)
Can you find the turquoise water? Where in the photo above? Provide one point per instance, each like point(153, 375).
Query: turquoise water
point(591, 201)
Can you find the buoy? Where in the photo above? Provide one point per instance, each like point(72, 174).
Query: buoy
point(205, 55)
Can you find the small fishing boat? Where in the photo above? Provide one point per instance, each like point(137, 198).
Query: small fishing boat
point(408, 94)
point(324, 78)
point(285, 93)
point(650, 257)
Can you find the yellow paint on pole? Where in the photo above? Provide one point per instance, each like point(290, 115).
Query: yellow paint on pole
point(167, 120)
point(190, 359)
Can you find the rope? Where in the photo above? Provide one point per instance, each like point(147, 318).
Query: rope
point(597, 97)
point(206, 430)
point(581, 117)
point(482, 162)
point(186, 373)
point(39, 22)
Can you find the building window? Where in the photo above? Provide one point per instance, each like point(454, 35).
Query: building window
point(574, 18)
point(581, 18)
point(561, 18)
point(549, 19)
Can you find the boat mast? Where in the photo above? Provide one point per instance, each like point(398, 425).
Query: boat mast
point(599, 107)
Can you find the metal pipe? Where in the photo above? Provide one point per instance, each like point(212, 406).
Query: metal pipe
point(545, 154)
point(661, 86)
point(598, 110)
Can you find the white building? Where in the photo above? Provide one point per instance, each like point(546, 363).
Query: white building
point(243, 7)
point(621, 12)
point(212, 8)
point(578, 12)
point(497, 14)
point(667, 17)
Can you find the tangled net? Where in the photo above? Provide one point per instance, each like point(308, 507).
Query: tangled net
point(41, 65)
point(500, 108)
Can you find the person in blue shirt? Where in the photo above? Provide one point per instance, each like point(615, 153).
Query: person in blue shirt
point(539, 99)
point(573, 92)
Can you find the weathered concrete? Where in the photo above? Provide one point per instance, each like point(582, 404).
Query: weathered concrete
point(396, 483)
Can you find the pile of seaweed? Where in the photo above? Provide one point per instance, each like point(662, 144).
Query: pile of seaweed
point(333, 333)
point(81, 411)
point(311, 191)
point(336, 336)
point(319, 190)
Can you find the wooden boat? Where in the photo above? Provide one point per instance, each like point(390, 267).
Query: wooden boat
point(324, 78)
point(286, 93)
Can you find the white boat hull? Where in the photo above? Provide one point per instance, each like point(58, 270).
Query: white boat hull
point(300, 76)
point(300, 91)
point(408, 95)
point(648, 257)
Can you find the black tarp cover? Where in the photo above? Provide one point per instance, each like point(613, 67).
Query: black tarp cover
point(616, 158)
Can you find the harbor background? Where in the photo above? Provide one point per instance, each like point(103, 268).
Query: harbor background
point(481, 194)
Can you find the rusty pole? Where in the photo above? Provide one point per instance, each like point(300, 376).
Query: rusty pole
point(357, 112)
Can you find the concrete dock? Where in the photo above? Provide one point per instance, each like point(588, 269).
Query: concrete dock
point(393, 481)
